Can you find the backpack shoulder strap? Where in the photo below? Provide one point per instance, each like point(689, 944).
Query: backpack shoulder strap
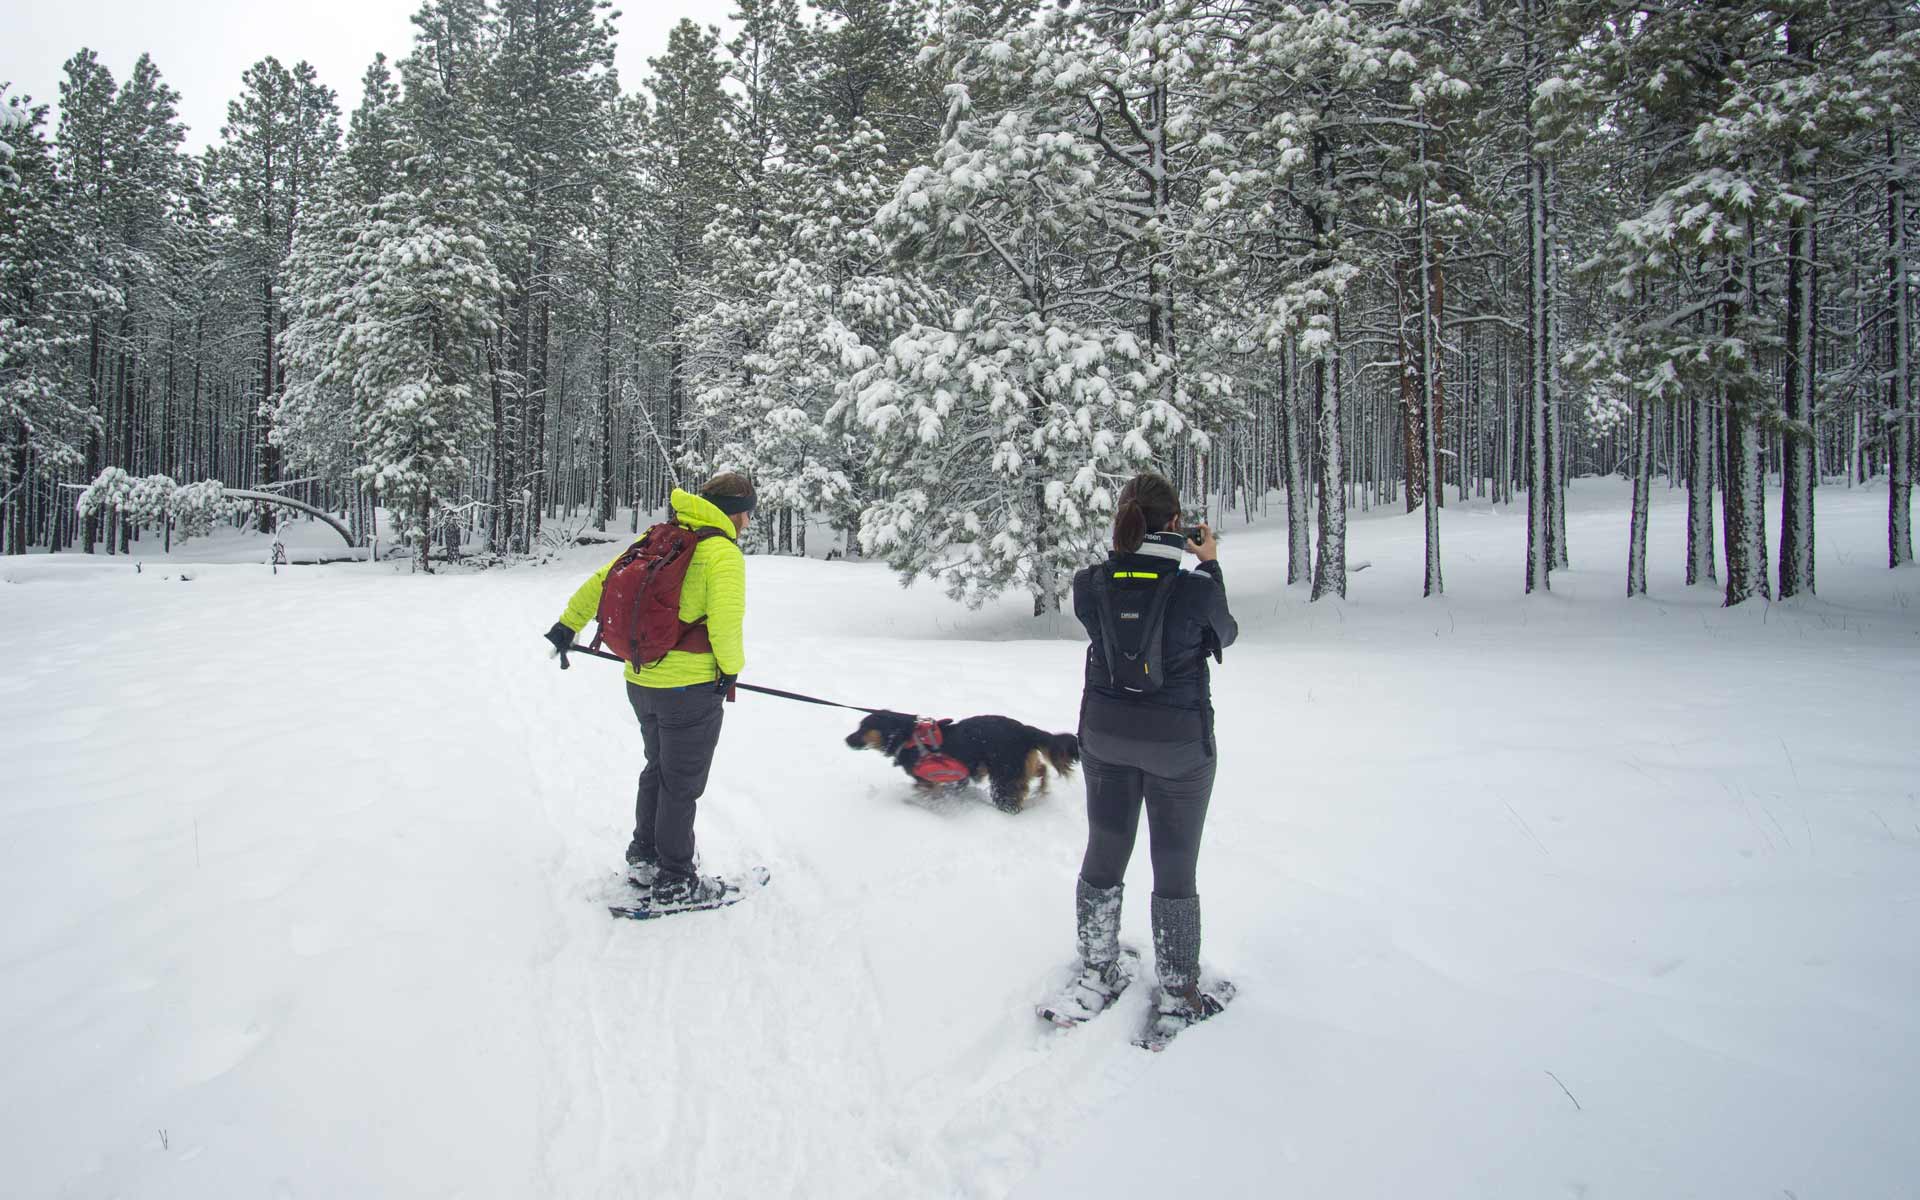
point(707, 531)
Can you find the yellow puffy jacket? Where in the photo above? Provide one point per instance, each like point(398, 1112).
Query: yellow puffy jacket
point(716, 588)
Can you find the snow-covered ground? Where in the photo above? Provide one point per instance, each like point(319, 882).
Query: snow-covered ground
point(1561, 896)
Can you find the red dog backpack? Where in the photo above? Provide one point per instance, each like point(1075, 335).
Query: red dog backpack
point(932, 765)
point(640, 601)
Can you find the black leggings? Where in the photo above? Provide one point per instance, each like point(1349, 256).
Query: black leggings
point(1176, 812)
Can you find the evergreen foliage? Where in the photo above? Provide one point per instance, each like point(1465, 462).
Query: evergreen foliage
point(943, 276)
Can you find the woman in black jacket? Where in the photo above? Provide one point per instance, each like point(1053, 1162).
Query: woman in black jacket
point(1146, 738)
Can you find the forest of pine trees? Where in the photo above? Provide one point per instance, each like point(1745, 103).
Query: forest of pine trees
point(943, 273)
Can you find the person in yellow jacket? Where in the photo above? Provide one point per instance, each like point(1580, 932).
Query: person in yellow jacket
point(679, 699)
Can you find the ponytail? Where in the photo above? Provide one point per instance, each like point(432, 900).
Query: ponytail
point(1129, 526)
point(1147, 505)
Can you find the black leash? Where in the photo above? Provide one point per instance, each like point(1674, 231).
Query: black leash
point(576, 648)
point(767, 691)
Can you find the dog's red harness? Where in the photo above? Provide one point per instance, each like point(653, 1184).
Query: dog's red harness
point(932, 766)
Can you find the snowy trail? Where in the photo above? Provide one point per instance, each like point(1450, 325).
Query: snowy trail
point(1571, 895)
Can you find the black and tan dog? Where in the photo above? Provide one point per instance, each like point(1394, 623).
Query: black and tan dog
point(1009, 755)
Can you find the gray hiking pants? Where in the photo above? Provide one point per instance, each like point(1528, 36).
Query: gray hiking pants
point(680, 728)
point(1176, 804)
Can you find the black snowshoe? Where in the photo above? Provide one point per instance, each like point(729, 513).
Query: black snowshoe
point(696, 893)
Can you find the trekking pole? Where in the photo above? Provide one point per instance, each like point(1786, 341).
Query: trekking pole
point(576, 648)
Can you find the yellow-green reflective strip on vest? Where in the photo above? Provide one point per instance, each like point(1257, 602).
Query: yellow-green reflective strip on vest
point(1136, 574)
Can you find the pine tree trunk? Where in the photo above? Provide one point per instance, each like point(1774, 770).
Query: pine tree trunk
point(194, 463)
point(1330, 551)
point(15, 511)
point(676, 399)
point(426, 540)
point(1700, 483)
point(1642, 494)
point(517, 414)
point(1557, 471)
point(166, 410)
point(1798, 467)
point(1799, 470)
point(129, 368)
point(1330, 561)
point(1540, 561)
point(1743, 501)
point(606, 394)
point(1413, 407)
point(1430, 309)
point(1293, 418)
point(1160, 333)
point(499, 524)
point(1899, 409)
point(1744, 504)
point(262, 421)
point(92, 522)
point(537, 386)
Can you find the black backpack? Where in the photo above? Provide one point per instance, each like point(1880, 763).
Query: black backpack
point(1133, 624)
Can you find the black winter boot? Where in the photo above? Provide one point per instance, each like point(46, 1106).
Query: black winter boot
point(643, 863)
point(674, 891)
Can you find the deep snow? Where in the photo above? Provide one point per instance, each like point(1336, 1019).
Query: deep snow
point(1569, 895)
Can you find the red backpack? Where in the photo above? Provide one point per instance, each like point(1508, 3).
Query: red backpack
point(640, 601)
point(932, 765)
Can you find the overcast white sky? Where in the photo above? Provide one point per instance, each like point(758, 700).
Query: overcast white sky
point(202, 46)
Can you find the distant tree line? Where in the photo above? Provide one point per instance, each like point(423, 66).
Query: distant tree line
point(944, 273)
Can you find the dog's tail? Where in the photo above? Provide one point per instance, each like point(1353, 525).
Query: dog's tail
point(1063, 751)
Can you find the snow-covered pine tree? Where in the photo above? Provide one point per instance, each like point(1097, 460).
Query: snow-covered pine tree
point(1694, 246)
point(1130, 77)
point(197, 508)
point(1296, 101)
point(1022, 390)
point(399, 295)
point(692, 166)
point(1789, 112)
point(1253, 207)
point(795, 256)
point(1420, 206)
point(550, 92)
point(313, 421)
point(819, 294)
point(42, 319)
point(149, 177)
point(618, 211)
point(277, 146)
point(414, 350)
point(1889, 71)
point(745, 239)
point(1899, 413)
point(446, 129)
point(86, 145)
point(1538, 86)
